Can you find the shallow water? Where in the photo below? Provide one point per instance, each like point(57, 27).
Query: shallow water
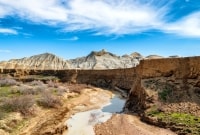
point(116, 105)
point(82, 123)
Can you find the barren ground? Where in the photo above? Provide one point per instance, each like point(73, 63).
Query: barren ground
point(124, 124)
point(51, 121)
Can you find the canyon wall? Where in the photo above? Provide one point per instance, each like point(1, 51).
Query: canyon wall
point(121, 78)
point(171, 85)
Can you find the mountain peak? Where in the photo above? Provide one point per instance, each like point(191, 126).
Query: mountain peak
point(45, 54)
point(100, 53)
point(154, 57)
point(40, 61)
point(135, 54)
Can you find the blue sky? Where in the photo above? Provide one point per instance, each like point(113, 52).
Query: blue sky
point(74, 28)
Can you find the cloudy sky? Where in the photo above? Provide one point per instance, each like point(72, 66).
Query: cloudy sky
point(73, 28)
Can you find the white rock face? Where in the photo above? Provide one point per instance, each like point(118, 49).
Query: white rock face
point(105, 60)
point(42, 61)
point(95, 60)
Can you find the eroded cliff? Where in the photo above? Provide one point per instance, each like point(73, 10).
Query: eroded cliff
point(166, 92)
point(114, 78)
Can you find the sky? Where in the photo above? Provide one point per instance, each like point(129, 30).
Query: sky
point(74, 28)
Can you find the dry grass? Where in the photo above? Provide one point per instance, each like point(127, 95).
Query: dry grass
point(22, 104)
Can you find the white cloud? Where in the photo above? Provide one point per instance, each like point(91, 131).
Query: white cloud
point(8, 31)
point(113, 17)
point(188, 26)
point(5, 51)
point(70, 39)
point(34, 10)
point(103, 17)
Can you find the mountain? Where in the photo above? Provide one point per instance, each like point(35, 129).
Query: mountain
point(95, 60)
point(154, 57)
point(41, 61)
point(104, 60)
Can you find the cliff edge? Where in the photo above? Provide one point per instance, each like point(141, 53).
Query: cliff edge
point(166, 93)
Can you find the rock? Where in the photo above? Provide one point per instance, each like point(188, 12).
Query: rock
point(44, 61)
point(95, 60)
point(154, 57)
point(105, 60)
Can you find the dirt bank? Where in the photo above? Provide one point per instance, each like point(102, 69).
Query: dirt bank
point(124, 124)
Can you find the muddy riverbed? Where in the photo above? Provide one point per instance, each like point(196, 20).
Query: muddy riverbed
point(83, 123)
point(92, 112)
point(109, 120)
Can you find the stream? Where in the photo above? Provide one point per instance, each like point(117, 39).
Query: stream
point(82, 123)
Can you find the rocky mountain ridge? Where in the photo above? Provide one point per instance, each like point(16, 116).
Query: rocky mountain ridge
point(105, 60)
point(95, 60)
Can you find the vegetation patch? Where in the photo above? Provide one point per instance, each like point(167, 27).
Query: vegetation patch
point(26, 97)
point(5, 91)
point(22, 104)
point(165, 93)
point(181, 123)
point(49, 100)
point(7, 82)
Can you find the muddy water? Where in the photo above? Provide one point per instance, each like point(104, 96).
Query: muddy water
point(82, 123)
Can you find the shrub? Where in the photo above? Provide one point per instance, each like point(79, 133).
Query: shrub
point(39, 89)
point(24, 90)
point(52, 84)
point(37, 83)
point(7, 82)
point(165, 93)
point(20, 104)
point(60, 90)
point(48, 100)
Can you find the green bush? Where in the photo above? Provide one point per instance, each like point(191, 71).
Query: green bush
point(165, 93)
